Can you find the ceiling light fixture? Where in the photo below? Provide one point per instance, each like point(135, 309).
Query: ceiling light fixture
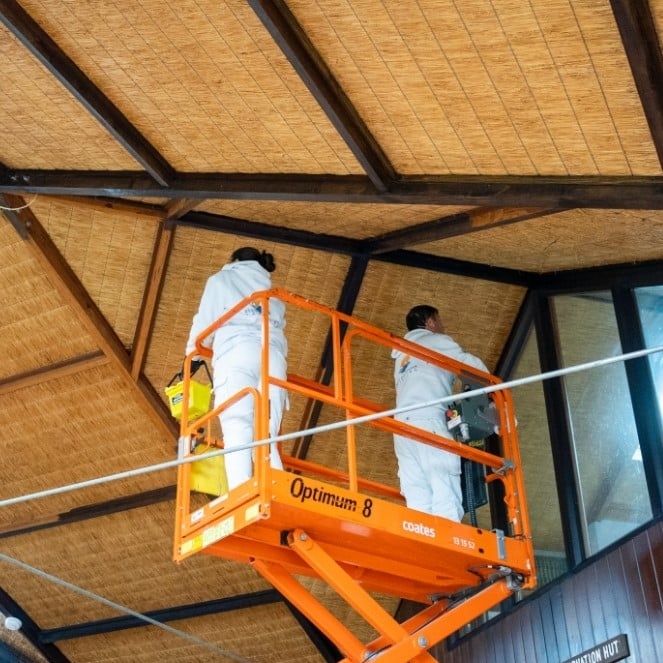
point(13, 623)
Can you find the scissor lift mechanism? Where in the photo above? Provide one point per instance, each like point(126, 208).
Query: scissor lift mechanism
point(356, 534)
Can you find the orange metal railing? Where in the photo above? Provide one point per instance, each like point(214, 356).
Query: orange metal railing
point(373, 543)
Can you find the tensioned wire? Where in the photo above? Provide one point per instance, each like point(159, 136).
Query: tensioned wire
point(333, 426)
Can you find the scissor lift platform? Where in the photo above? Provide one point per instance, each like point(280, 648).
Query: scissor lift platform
point(355, 534)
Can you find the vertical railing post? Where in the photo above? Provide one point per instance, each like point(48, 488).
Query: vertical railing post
point(261, 429)
point(351, 432)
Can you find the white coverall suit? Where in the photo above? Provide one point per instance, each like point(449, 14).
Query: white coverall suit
point(236, 359)
point(429, 477)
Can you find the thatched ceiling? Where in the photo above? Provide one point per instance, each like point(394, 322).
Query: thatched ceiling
point(385, 152)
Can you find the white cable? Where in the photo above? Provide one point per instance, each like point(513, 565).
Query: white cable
point(16, 209)
point(121, 608)
point(331, 426)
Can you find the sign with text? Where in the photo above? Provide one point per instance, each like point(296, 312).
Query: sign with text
point(615, 649)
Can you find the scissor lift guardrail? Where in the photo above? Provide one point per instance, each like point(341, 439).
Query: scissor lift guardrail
point(351, 532)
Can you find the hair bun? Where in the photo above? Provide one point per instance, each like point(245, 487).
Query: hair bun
point(267, 261)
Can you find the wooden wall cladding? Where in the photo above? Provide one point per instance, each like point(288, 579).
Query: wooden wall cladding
point(621, 593)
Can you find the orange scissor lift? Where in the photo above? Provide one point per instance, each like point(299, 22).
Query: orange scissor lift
point(353, 533)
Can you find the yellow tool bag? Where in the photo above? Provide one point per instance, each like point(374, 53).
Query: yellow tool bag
point(199, 396)
point(208, 476)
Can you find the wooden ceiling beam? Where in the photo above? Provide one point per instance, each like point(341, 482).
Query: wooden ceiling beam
point(107, 204)
point(52, 371)
point(58, 63)
point(157, 273)
point(318, 78)
point(643, 49)
point(462, 223)
point(178, 207)
point(559, 192)
point(76, 296)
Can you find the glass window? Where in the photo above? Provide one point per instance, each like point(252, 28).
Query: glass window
point(539, 477)
point(612, 491)
point(538, 470)
point(650, 305)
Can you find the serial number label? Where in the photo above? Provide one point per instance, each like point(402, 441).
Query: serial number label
point(220, 531)
point(468, 544)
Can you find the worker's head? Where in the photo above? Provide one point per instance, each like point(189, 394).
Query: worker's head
point(424, 317)
point(265, 259)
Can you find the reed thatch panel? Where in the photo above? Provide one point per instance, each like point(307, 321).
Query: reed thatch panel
point(498, 88)
point(344, 613)
point(477, 313)
point(264, 634)
point(71, 429)
point(110, 252)
point(203, 81)
point(42, 125)
point(573, 239)
point(126, 558)
point(342, 219)
point(35, 325)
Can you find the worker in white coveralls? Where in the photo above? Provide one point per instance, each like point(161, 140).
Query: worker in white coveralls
point(429, 477)
point(236, 359)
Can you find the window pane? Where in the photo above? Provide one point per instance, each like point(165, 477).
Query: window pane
point(650, 304)
point(611, 483)
point(538, 471)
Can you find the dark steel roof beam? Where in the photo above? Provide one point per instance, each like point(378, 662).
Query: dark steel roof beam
point(321, 242)
point(649, 272)
point(260, 230)
point(518, 336)
point(558, 193)
point(316, 75)
point(458, 267)
point(95, 510)
point(58, 63)
point(643, 50)
point(559, 427)
point(216, 606)
point(328, 650)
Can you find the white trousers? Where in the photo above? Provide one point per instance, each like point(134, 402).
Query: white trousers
point(235, 370)
point(429, 477)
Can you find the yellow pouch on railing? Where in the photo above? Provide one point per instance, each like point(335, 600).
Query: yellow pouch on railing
point(208, 476)
point(199, 396)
